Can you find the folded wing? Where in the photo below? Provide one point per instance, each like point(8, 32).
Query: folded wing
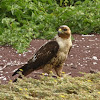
point(42, 57)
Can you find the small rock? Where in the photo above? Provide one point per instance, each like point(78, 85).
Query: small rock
point(4, 79)
point(95, 58)
point(94, 63)
point(93, 71)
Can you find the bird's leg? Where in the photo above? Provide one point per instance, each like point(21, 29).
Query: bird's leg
point(47, 69)
point(58, 70)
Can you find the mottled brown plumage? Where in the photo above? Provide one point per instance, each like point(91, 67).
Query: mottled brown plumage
point(51, 55)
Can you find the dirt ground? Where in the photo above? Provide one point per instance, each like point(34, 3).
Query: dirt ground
point(84, 57)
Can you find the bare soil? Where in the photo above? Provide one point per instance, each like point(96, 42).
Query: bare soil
point(84, 57)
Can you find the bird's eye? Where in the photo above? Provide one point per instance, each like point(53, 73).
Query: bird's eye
point(65, 29)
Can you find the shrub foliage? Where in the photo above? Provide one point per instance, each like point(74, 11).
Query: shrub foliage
point(22, 20)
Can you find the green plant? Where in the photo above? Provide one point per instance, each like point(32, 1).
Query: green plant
point(84, 18)
point(21, 21)
point(69, 2)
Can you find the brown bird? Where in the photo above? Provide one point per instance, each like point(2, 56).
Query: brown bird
point(51, 55)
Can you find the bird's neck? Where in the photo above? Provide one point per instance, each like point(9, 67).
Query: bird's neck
point(63, 42)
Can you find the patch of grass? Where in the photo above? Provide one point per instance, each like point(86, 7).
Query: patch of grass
point(48, 88)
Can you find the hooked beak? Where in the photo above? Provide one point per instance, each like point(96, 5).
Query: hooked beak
point(59, 31)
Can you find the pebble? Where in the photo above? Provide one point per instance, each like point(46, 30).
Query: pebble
point(95, 58)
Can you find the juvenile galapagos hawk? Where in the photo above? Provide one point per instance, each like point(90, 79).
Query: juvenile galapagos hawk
point(51, 55)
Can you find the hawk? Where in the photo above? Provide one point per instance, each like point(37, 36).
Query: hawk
point(51, 55)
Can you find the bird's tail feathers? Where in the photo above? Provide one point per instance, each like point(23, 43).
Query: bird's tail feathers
point(25, 70)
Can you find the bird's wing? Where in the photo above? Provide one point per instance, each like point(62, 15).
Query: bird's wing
point(42, 57)
point(45, 53)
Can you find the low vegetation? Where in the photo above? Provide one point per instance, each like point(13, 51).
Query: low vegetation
point(21, 21)
point(48, 88)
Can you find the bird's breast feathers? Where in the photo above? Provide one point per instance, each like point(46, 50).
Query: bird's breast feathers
point(64, 44)
point(64, 47)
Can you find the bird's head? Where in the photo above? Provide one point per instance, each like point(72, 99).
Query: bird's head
point(64, 31)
